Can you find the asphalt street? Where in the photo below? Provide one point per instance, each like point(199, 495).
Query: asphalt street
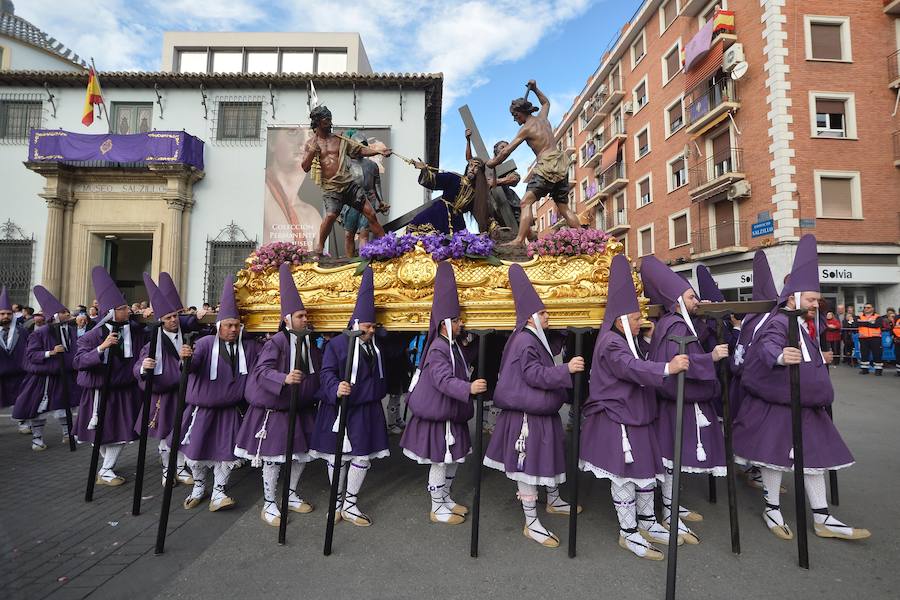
point(54, 545)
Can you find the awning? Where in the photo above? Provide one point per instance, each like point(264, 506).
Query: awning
point(609, 155)
point(710, 125)
point(704, 67)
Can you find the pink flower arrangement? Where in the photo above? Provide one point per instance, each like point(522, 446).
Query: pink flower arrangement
point(569, 242)
point(270, 256)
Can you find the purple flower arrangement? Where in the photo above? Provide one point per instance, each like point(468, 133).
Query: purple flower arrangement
point(270, 256)
point(569, 242)
point(441, 247)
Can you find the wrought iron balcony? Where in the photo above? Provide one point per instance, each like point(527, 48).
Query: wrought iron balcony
point(705, 104)
point(613, 178)
point(716, 173)
point(896, 139)
point(893, 67)
point(617, 221)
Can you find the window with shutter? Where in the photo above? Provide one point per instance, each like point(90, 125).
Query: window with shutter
point(837, 197)
point(673, 63)
point(676, 116)
point(826, 41)
point(679, 230)
point(670, 11)
point(643, 143)
point(644, 192)
point(646, 238)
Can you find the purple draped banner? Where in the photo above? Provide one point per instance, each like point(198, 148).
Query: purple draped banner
point(158, 147)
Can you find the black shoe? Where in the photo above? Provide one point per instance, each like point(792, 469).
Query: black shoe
point(864, 372)
point(878, 373)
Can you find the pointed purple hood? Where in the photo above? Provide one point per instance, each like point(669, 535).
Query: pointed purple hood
point(227, 304)
point(804, 275)
point(287, 289)
point(707, 286)
point(364, 311)
point(622, 298)
point(525, 296)
point(4, 300)
point(167, 287)
point(159, 302)
point(49, 303)
point(108, 294)
point(663, 285)
point(763, 284)
point(445, 304)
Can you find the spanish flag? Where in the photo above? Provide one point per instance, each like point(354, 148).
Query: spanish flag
point(92, 96)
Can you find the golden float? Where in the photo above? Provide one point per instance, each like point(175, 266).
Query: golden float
point(573, 288)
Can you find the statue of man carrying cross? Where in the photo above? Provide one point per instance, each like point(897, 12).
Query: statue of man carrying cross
point(550, 175)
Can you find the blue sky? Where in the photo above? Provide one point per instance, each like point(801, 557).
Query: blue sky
point(487, 49)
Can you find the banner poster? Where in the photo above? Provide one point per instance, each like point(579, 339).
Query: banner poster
point(292, 206)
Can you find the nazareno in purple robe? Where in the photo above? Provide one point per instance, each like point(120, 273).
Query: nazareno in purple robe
point(762, 429)
point(124, 396)
point(12, 366)
point(366, 426)
point(213, 417)
point(43, 379)
point(165, 391)
point(701, 388)
point(441, 406)
point(621, 397)
point(529, 386)
point(263, 432)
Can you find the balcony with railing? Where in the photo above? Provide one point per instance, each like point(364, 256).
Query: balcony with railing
point(896, 140)
point(725, 237)
point(705, 104)
point(893, 67)
point(592, 114)
point(714, 174)
point(613, 178)
point(592, 194)
point(617, 222)
point(614, 130)
point(610, 99)
point(590, 154)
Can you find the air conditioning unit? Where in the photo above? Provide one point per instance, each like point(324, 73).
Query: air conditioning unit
point(738, 189)
point(733, 56)
point(601, 91)
point(629, 108)
point(687, 151)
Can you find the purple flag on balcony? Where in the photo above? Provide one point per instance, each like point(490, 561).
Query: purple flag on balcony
point(699, 45)
point(158, 147)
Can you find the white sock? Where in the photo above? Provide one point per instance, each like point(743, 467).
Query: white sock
point(624, 500)
point(449, 476)
point(527, 493)
point(815, 492)
point(342, 482)
point(270, 472)
point(221, 473)
point(199, 471)
point(437, 478)
point(771, 480)
point(61, 419)
point(666, 488)
point(110, 454)
point(181, 464)
point(646, 516)
point(164, 456)
point(355, 477)
point(555, 501)
point(297, 468)
point(37, 431)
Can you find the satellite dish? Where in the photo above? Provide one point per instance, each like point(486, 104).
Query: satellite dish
point(739, 70)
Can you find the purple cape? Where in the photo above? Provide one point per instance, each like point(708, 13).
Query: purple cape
point(12, 367)
point(366, 426)
point(43, 374)
point(441, 395)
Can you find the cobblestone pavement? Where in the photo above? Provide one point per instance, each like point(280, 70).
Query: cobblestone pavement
point(54, 545)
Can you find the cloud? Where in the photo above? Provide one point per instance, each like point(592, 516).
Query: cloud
point(461, 40)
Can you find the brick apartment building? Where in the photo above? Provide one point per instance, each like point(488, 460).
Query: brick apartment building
point(703, 142)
